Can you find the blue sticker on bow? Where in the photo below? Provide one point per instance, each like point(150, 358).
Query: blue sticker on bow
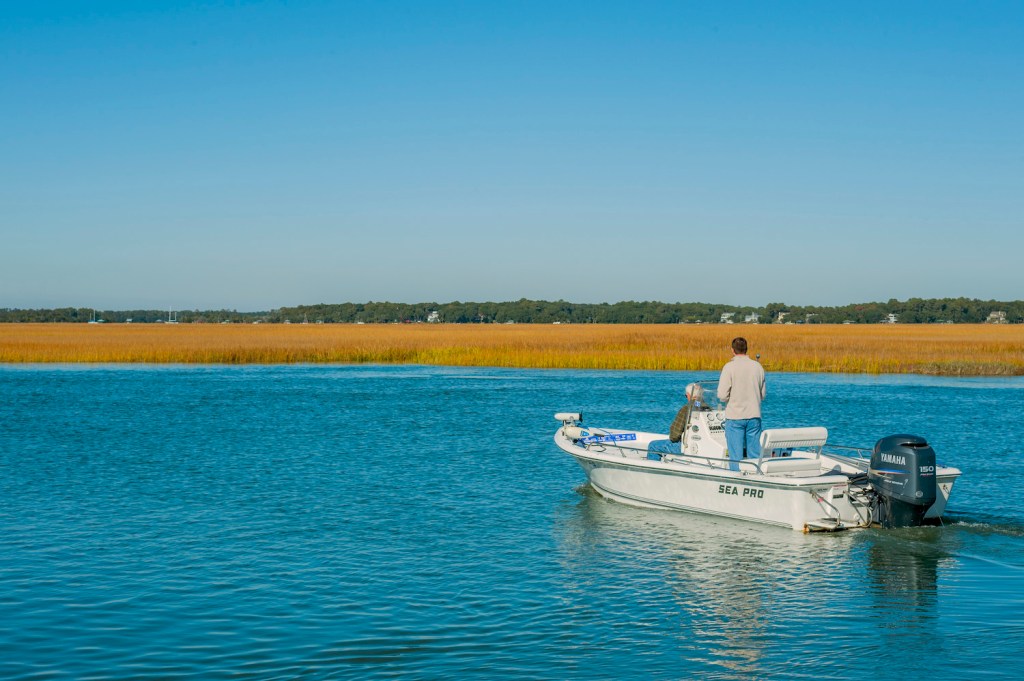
point(618, 437)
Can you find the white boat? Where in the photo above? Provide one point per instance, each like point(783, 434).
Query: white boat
point(800, 481)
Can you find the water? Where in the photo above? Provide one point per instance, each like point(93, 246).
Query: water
point(418, 522)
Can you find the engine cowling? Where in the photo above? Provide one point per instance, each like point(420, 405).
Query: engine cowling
point(902, 473)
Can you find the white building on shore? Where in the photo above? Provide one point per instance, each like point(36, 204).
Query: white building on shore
point(996, 317)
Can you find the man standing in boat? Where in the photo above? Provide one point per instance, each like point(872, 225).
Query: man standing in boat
point(742, 387)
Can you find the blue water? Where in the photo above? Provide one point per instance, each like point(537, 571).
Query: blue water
point(418, 522)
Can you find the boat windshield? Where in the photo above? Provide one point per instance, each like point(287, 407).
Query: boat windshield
point(707, 395)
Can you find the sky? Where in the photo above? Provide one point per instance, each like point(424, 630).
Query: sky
point(253, 155)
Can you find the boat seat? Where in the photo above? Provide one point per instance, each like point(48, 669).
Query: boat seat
point(787, 439)
point(789, 465)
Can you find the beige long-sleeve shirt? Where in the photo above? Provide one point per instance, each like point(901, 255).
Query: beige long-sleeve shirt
point(742, 387)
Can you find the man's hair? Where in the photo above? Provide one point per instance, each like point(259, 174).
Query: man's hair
point(739, 345)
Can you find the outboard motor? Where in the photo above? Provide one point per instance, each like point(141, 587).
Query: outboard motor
point(902, 474)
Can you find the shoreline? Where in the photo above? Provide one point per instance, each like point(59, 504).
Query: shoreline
point(979, 350)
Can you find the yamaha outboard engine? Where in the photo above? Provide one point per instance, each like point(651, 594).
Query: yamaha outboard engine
point(902, 474)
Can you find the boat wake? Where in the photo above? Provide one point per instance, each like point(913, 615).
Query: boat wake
point(982, 525)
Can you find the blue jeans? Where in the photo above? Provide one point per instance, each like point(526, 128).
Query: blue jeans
point(659, 447)
point(740, 432)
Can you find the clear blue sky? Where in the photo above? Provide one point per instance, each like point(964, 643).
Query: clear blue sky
point(251, 155)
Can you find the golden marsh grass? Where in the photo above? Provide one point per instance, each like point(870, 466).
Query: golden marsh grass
point(965, 350)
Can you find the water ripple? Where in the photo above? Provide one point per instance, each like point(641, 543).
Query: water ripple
point(415, 522)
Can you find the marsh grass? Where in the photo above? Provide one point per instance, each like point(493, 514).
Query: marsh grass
point(960, 350)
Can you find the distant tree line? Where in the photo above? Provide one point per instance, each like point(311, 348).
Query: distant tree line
point(88, 314)
point(523, 311)
point(912, 311)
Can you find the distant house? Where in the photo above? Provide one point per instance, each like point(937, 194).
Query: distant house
point(781, 319)
point(997, 317)
point(890, 318)
point(751, 318)
point(434, 317)
point(727, 318)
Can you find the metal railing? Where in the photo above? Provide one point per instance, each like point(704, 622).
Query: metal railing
point(706, 461)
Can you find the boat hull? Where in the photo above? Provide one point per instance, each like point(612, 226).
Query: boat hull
point(724, 494)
